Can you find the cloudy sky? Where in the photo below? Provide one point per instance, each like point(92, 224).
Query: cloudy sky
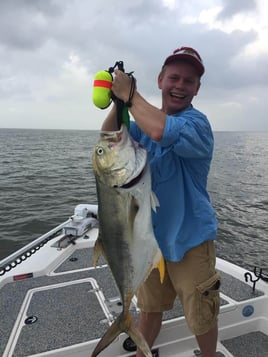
point(50, 51)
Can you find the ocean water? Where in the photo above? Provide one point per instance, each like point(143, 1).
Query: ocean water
point(44, 174)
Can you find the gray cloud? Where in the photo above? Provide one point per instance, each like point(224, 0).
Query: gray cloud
point(38, 37)
point(23, 23)
point(234, 7)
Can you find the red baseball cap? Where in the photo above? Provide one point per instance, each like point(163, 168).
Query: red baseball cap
point(188, 54)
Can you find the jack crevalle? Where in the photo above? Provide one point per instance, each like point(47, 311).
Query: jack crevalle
point(126, 237)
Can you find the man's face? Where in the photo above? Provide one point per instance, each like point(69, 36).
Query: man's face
point(179, 83)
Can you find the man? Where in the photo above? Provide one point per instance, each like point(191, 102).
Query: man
point(179, 142)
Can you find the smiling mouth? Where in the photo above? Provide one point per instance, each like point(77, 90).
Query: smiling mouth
point(177, 95)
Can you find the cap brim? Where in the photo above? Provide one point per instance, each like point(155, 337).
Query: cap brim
point(177, 57)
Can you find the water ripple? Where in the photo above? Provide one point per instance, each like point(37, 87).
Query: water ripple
point(44, 174)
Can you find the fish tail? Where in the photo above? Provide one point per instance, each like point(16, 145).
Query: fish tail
point(139, 340)
point(122, 324)
point(110, 335)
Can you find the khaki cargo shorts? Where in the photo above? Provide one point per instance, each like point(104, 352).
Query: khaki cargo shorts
point(196, 283)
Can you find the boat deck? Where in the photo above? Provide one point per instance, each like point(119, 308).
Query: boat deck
point(75, 303)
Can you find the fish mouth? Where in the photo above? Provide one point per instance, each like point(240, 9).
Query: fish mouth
point(115, 136)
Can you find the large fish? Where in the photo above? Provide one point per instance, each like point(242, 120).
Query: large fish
point(126, 238)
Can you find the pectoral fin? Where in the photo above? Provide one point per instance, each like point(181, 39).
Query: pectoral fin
point(154, 201)
point(97, 252)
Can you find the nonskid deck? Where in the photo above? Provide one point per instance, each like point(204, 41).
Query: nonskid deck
point(75, 303)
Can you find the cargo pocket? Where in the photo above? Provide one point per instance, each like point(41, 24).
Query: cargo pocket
point(209, 301)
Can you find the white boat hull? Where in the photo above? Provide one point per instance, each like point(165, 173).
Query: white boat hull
point(70, 300)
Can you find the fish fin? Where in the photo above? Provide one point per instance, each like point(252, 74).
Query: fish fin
point(98, 251)
point(139, 340)
point(154, 201)
point(122, 324)
point(109, 336)
point(161, 268)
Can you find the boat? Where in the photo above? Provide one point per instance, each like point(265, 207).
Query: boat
point(53, 302)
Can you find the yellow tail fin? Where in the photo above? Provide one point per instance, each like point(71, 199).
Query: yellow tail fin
point(161, 268)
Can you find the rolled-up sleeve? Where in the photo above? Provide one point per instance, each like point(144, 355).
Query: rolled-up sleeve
point(189, 133)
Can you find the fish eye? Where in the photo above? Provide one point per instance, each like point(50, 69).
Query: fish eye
point(99, 150)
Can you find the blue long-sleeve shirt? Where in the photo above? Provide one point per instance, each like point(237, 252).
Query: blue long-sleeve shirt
point(180, 164)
